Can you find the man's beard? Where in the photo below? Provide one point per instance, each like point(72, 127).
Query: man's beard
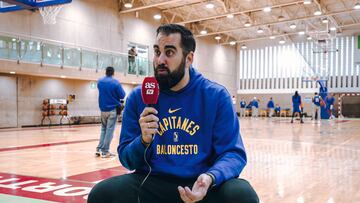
point(168, 81)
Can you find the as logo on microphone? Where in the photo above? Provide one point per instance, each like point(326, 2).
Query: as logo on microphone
point(150, 87)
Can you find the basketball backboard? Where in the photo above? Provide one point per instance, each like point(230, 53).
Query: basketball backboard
point(15, 5)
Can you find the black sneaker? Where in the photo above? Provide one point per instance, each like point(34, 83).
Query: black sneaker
point(107, 155)
point(97, 153)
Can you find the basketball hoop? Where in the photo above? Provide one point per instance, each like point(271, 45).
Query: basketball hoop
point(49, 13)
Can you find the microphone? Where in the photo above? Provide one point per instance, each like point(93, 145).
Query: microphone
point(150, 91)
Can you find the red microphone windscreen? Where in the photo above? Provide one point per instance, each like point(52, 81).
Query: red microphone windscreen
point(150, 91)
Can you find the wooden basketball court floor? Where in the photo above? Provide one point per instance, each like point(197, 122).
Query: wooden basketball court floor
point(315, 162)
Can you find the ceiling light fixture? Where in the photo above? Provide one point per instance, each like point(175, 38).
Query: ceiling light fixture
point(281, 18)
point(272, 37)
point(307, 2)
point(357, 6)
point(243, 46)
point(210, 5)
point(260, 30)
point(317, 13)
point(232, 43)
point(301, 33)
point(267, 9)
point(203, 32)
point(333, 28)
point(63, 76)
point(218, 37)
point(292, 26)
point(12, 72)
point(230, 16)
point(282, 41)
point(128, 5)
point(309, 38)
point(324, 20)
point(157, 16)
point(247, 24)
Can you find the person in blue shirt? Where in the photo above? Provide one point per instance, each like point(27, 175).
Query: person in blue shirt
point(110, 94)
point(316, 106)
point(270, 106)
point(296, 102)
point(186, 148)
point(242, 107)
point(277, 110)
point(329, 100)
point(255, 107)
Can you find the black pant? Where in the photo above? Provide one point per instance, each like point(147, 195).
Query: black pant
point(156, 189)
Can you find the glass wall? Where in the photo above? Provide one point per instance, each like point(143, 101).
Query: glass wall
point(30, 51)
point(72, 57)
point(8, 48)
point(52, 54)
point(38, 51)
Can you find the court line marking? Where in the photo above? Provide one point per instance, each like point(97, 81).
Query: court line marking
point(46, 145)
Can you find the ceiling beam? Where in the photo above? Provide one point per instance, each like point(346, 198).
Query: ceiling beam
point(237, 12)
point(280, 35)
point(324, 10)
point(277, 22)
point(149, 6)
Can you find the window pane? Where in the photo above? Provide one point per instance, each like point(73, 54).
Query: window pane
point(30, 51)
point(72, 57)
point(52, 54)
point(120, 63)
point(89, 59)
point(143, 65)
point(8, 48)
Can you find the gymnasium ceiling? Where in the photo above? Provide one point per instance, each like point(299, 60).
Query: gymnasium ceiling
point(241, 21)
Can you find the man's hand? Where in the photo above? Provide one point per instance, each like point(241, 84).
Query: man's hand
point(198, 191)
point(148, 124)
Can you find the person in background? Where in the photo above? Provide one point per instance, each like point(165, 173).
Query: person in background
point(277, 110)
point(270, 106)
point(254, 107)
point(330, 100)
point(110, 94)
point(233, 99)
point(242, 107)
point(316, 100)
point(296, 103)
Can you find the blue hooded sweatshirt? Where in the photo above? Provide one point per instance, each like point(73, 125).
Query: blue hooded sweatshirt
point(198, 133)
point(110, 93)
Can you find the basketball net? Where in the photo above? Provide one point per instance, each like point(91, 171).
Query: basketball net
point(49, 14)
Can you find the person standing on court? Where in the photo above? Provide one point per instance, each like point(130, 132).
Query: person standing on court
point(191, 137)
point(242, 107)
point(316, 106)
point(330, 100)
point(110, 94)
point(277, 110)
point(271, 106)
point(296, 102)
point(254, 107)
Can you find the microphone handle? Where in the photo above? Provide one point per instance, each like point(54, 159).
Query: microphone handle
point(153, 106)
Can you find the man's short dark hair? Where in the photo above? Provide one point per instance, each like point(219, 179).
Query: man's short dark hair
point(110, 71)
point(187, 38)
